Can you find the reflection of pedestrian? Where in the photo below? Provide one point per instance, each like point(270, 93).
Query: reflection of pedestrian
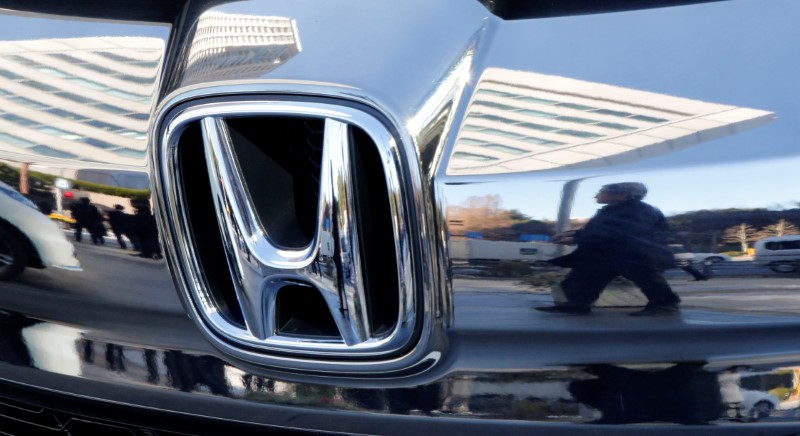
point(118, 220)
point(684, 393)
point(115, 358)
point(624, 238)
point(684, 263)
point(186, 372)
point(687, 266)
point(88, 217)
point(146, 231)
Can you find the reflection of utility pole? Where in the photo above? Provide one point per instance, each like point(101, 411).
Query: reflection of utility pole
point(23, 179)
point(565, 208)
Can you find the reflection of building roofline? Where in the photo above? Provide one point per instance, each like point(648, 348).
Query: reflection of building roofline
point(519, 121)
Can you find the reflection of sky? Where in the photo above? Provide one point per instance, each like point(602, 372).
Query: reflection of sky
point(40, 28)
point(764, 184)
point(742, 53)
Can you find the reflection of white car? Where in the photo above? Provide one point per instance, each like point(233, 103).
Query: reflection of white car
point(682, 254)
point(29, 238)
point(780, 253)
point(710, 257)
point(757, 405)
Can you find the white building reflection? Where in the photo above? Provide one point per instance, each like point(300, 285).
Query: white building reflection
point(83, 103)
point(240, 46)
point(519, 121)
point(81, 99)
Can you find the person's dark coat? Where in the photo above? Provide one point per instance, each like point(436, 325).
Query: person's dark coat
point(626, 234)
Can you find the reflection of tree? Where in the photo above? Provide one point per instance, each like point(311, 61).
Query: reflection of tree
point(740, 234)
point(702, 230)
point(485, 214)
point(781, 228)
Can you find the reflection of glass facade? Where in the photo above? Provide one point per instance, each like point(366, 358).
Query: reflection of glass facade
point(240, 46)
point(520, 121)
point(88, 100)
point(84, 99)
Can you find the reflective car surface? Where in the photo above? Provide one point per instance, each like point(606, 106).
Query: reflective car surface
point(425, 216)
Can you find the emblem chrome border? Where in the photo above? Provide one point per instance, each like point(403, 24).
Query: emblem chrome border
point(231, 337)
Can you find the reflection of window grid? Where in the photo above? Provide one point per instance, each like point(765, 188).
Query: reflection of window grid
point(506, 120)
point(128, 61)
point(97, 143)
point(524, 105)
point(518, 137)
point(52, 152)
point(141, 80)
point(19, 142)
point(472, 156)
point(63, 134)
point(61, 78)
point(140, 154)
point(28, 102)
point(22, 121)
point(568, 105)
point(505, 149)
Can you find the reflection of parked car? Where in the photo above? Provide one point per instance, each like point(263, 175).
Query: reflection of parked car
point(757, 405)
point(682, 254)
point(29, 238)
point(781, 253)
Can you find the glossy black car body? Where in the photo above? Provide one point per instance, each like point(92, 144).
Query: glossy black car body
point(351, 210)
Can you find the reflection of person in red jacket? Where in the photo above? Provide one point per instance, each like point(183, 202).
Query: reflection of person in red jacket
point(627, 238)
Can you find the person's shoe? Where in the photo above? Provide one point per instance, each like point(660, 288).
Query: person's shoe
point(658, 310)
point(573, 309)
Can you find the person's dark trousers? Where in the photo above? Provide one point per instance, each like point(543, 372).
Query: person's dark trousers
point(122, 243)
point(78, 233)
point(583, 285)
point(694, 272)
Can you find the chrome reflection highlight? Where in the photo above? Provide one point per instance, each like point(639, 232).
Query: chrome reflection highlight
point(260, 267)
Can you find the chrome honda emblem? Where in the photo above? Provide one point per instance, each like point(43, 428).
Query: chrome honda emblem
point(261, 269)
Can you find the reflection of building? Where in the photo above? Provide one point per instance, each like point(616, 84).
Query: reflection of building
point(520, 121)
point(240, 46)
point(82, 99)
point(85, 102)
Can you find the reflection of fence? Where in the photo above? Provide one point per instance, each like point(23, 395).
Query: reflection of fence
point(478, 249)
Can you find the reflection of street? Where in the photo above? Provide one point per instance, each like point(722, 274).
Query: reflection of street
point(496, 323)
point(737, 268)
point(109, 275)
point(113, 291)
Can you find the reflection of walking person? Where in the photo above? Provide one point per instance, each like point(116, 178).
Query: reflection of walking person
point(146, 231)
point(624, 238)
point(689, 268)
point(118, 220)
point(88, 217)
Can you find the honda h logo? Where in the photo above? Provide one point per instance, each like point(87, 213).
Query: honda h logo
point(331, 174)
